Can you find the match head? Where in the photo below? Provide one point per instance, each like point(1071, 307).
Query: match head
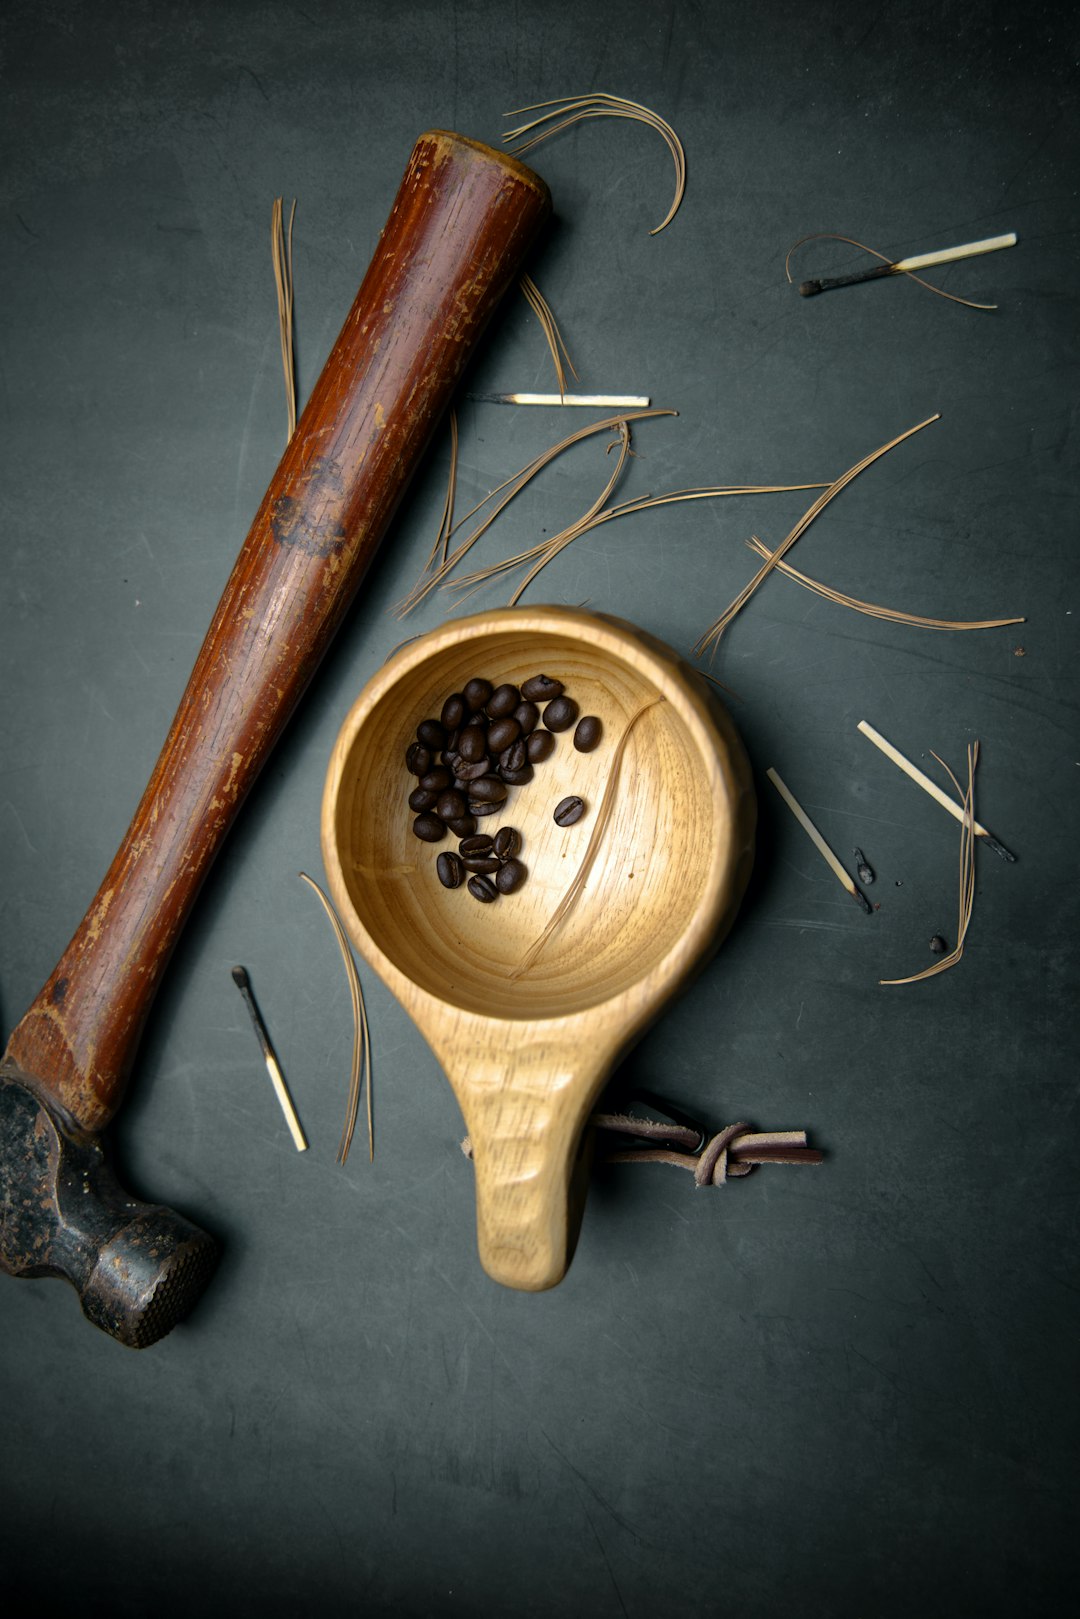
point(240, 978)
point(808, 288)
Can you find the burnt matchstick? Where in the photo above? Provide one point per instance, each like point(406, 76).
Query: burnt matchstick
point(273, 1067)
point(920, 261)
point(955, 810)
point(819, 843)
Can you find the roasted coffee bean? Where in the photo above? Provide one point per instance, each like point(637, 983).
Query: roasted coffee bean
point(419, 800)
point(452, 760)
point(517, 778)
point(481, 864)
point(460, 785)
point(541, 689)
point(487, 790)
point(540, 746)
point(479, 843)
point(451, 805)
point(476, 693)
point(473, 772)
point(464, 827)
point(501, 733)
point(454, 711)
point(431, 735)
point(417, 759)
point(509, 876)
point(561, 714)
point(472, 743)
point(479, 808)
point(436, 780)
point(513, 757)
point(483, 889)
point(503, 701)
point(449, 870)
point(429, 828)
point(588, 733)
point(507, 842)
point(528, 717)
point(451, 744)
point(569, 811)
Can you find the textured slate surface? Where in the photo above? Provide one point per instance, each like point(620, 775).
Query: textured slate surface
point(842, 1391)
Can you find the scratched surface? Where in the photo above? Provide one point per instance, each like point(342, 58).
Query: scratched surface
point(838, 1391)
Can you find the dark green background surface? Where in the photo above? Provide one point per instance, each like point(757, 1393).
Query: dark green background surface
point(845, 1391)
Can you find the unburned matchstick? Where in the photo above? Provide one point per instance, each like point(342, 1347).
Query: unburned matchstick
point(819, 843)
point(955, 810)
point(590, 401)
point(919, 261)
point(273, 1067)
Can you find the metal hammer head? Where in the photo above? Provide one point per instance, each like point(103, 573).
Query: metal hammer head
point(138, 1268)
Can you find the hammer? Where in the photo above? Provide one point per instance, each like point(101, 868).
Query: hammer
point(464, 218)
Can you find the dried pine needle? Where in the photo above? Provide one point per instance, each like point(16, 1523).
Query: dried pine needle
point(542, 310)
point(360, 1073)
point(569, 110)
point(281, 254)
point(891, 615)
point(603, 816)
point(711, 639)
point(967, 872)
point(831, 236)
point(507, 490)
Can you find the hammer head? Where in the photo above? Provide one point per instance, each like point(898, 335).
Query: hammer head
point(138, 1268)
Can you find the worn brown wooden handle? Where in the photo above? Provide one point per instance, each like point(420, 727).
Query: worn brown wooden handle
point(464, 218)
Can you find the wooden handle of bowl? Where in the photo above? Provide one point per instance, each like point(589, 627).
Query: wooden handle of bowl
point(463, 221)
point(527, 1112)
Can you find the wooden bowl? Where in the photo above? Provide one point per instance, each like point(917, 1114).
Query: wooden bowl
point(528, 1049)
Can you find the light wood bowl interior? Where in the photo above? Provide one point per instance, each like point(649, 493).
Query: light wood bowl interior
point(664, 882)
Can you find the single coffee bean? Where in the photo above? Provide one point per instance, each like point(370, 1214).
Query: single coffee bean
point(473, 772)
point(541, 689)
point(463, 827)
point(452, 759)
point(431, 734)
point(540, 746)
point(419, 800)
point(507, 842)
point(503, 701)
point(528, 717)
point(417, 759)
point(472, 743)
point(436, 780)
point(513, 757)
point(454, 711)
point(561, 714)
point(451, 805)
point(588, 733)
point(509, 876)
point(481, 864)
point(487, 790)
point(483, 889)
point(449, 870)
point(480, 808)
point(569, 811)
point(501, 733)
point(516, 778)
point(476, 693)
point(429, 828)
point(479, 843)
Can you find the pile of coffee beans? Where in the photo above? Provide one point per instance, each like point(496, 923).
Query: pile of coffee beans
point(487, 740)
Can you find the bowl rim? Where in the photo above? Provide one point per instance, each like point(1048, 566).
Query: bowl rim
point(712, 731)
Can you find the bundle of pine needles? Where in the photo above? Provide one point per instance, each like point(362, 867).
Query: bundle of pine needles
point(281, 254)
point(562, 113)
point(360, 1073)
point(549, 326)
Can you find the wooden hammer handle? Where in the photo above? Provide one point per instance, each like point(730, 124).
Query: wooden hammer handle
point(463, 221)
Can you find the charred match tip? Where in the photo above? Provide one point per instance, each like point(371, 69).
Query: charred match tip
point(999, 848)
point(807, 289)
point(240, 978)
point(862, 900)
